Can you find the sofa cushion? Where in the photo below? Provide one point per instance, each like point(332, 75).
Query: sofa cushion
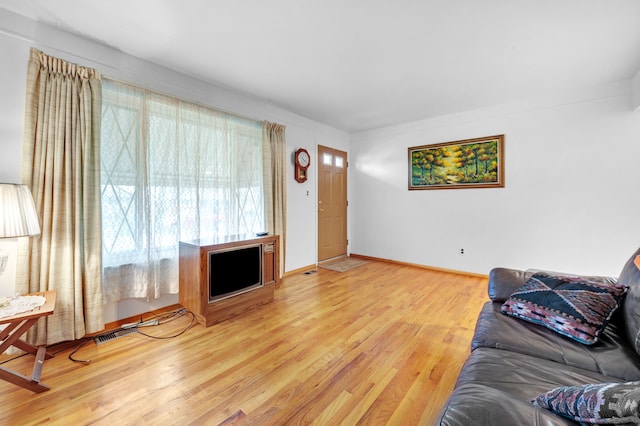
point(575, 307)
point(497, 386)
point(611, 356)
point(600, 403)
point(524, 377)
point(476, 404)
point(630, 276)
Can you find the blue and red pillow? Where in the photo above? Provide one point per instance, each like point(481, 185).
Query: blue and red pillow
point(603, 403)
point(572, 306)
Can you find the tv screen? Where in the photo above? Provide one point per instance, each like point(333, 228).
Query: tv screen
point(235, 270)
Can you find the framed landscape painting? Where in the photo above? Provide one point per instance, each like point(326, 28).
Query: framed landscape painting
point(469, 163)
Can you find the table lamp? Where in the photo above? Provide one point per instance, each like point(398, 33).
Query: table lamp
point(18, 216)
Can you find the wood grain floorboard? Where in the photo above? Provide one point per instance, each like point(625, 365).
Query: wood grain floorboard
point(380, 344)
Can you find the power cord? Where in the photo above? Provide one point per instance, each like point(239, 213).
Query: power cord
point(165, 318)
point(15, 357)
point(62, 346)
point(84, 361)
point(158, 319)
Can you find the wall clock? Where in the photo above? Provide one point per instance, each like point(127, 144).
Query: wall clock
point(303, 159)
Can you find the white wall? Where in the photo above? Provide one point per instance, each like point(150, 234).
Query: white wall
point(635, 99)
point(571, 199)
point(18, 34)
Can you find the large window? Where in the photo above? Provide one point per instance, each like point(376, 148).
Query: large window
point(171, 171)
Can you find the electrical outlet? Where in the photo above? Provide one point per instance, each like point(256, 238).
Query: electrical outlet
point(461, 252)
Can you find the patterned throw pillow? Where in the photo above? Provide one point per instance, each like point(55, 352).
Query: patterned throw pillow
point(572, 306)
point(605, 403)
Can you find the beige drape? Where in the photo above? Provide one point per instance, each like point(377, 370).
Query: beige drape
point(61, 165)
point(275, 182)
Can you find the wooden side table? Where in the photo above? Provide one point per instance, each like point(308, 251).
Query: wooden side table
point(17, 326)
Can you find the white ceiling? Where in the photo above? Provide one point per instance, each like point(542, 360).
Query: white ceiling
point(362, 64)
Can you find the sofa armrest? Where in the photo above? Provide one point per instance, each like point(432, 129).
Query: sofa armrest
point(504, 281)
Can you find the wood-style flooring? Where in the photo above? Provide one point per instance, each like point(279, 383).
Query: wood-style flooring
point(380, 344)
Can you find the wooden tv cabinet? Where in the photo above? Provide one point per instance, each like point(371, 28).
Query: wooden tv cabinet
point(194, 278)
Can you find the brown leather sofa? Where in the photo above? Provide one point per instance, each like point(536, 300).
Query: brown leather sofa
point(513, 361)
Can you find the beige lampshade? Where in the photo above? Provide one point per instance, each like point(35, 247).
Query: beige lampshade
point(18, 216)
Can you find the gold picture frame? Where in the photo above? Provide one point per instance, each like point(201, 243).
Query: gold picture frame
point(469, 163)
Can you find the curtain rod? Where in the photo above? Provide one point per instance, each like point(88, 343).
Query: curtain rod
point(180, 98)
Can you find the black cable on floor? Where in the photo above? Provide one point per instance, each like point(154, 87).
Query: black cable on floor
point(162, 319)
point(15, 357)
point(84, 361)
point(177, 315)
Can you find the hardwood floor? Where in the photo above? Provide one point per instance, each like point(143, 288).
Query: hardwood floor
point(380, 344)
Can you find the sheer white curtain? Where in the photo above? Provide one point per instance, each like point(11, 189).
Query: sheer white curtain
point(171, 171)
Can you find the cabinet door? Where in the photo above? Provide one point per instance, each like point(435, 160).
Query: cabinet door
point(269, 263)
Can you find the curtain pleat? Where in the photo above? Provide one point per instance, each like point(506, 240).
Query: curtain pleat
point(61, 165)
point(275, 179)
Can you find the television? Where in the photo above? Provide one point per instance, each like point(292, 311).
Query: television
point(234, 270)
